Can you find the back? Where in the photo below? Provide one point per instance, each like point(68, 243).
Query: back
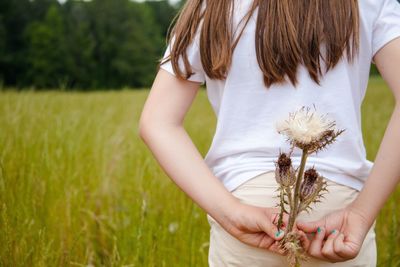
point(246, 143)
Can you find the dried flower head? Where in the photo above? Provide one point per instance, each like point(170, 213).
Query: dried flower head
point(306, 129)
point(311, 189)
point(285, 174)
point(308, 186)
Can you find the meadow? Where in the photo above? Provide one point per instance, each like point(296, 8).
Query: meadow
point(78, 187)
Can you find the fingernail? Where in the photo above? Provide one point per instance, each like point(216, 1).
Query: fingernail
point(278, 233)
point(319, 229)
point(333, 231)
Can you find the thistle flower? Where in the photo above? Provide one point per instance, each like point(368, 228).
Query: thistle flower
point(311, 189)
point(306, 129)
point(299, 188)
point(285, 174)
point(308, 187)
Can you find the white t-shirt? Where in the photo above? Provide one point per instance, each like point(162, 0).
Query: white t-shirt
point(246, 142)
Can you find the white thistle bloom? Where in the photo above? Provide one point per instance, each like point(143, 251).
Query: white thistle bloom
point(304, 127)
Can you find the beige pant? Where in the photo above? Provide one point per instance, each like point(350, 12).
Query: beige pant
point(226, 250)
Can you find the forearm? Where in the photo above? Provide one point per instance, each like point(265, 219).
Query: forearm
point(385, 174)
point(179, 158)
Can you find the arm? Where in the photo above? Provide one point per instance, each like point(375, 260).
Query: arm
point(161, 128)
point(353, 222)
point(385, 174)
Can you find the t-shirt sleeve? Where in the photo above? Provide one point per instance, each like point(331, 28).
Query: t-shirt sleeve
point(387, 25)
point(193, 55)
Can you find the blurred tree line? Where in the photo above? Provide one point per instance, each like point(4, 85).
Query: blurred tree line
point(82, 44)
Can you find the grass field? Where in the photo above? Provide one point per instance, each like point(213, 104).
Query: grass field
point(79, 188)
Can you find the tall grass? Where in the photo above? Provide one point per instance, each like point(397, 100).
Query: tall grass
point(79, 188)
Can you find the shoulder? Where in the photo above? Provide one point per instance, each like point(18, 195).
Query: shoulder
point(372, 9)
point(381, 20)
point(369, 9)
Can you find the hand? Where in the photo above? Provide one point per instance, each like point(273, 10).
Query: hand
point(256, 226)
point(345, 230)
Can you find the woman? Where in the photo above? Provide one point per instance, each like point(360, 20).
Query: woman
point(261, 60)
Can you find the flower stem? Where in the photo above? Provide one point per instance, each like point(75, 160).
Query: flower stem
point(282, 206)
point(294, 211)
point(290, 199)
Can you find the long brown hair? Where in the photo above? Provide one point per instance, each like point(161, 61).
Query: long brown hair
point(288, 33)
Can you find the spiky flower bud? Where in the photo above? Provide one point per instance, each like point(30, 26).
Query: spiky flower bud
point(309, 186)
point(284, 172)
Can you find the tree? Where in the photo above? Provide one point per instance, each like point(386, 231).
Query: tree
point(127, 42)
point(80, 42)
point(163, 13)
point(14, 17)
point(3, 38)
point(47, 50)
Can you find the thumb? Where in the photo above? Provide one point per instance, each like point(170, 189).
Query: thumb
point(271, 229)
point(309, 227)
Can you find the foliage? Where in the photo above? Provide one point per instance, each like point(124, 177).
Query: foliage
point(82, 44)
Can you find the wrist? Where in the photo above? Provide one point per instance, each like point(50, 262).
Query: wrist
point(226, 210)
point(366, 215)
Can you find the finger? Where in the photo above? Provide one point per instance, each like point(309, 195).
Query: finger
point(275, 218)
point(277, 211)
point(338, 245)
point(328, 251)
point(285, 219)
point(341, 249)
point(266, 242)
point(316, 244)
point(309, 227)
point(268, 227)
point(310, 235)
point(305, 242)
point(271, 230)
